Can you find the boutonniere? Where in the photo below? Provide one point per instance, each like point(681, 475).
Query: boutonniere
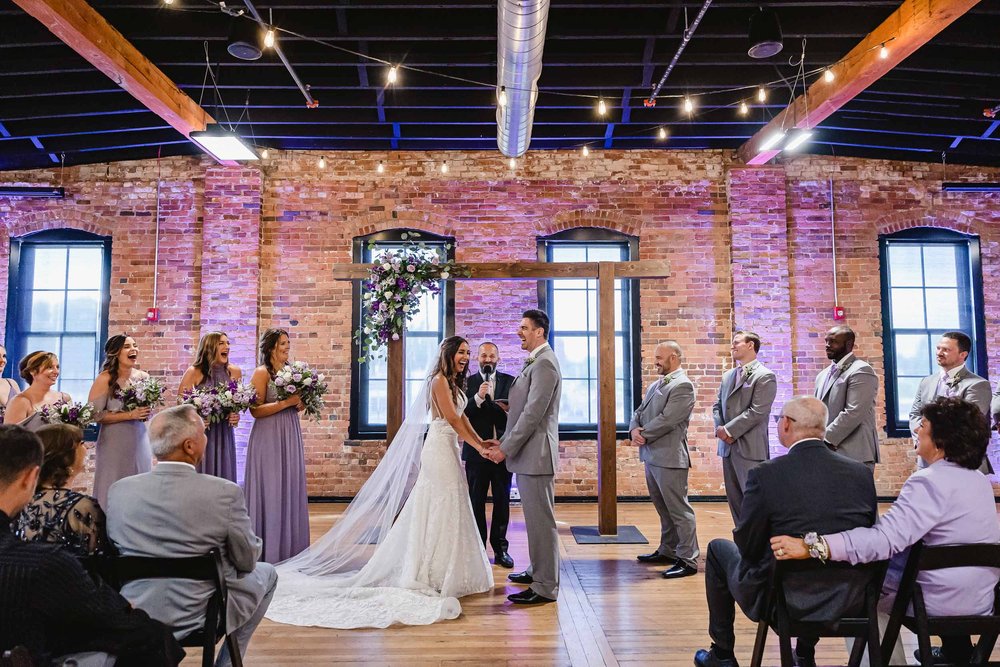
point(952, 382)
point(748, 373)
point(528, 362)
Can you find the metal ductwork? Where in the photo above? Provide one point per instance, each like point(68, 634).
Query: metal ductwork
point(520, 39)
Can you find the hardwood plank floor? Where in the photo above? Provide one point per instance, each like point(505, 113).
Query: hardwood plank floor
point(611, 611)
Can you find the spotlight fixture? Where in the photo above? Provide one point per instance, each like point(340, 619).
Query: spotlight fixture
point(321, 163)
point(765, 34)
point(244, 39)
point(883, 52)
point(602, 108)
point(688, 105)
point(222, 144)
point(380, 168)
point(269, 38)
point(828, 75)
point(663, 133)
point(761, 94)
point(772, 140)
point(502, 97)
point(444, 167)
point(393, 74)
point(800, 138)
point(586, 151)
point(744, 109)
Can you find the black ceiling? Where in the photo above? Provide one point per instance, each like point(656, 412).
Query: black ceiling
point(53, 102)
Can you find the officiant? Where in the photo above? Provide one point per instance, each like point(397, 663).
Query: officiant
point(487, 412)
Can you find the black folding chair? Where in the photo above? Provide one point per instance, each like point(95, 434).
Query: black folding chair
point(864, 627)
point(923, 558)
point(199, 568)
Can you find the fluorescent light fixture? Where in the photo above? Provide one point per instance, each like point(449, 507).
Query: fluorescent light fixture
point(32, 192)
point(967, 187)
point(772, 140)
point(798, 140)
point(222, 144)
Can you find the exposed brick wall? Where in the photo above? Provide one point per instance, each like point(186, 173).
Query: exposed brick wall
point(243, 249)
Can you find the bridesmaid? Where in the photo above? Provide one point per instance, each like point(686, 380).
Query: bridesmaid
point(8, 386)
point(211, 366)
point(122, 446)
point(41, 371)
point(275, 484)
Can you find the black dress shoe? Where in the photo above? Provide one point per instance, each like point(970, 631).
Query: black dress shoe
point(655, 557)
point(528, 597)
point(503, 559)
point(521, 578)
point(936, 653)
point(679, 570)
point(703, 658)
point(805, 660)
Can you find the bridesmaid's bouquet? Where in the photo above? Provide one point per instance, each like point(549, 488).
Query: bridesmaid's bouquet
point(67, 412)
point(216, 403)
point(142, 393)
point(236, 396)
point(299, 378)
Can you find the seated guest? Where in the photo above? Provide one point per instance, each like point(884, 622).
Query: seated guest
point(175, 512)
point(48, 603)
point(811, 488)
point(58, 514)
point(948, 502)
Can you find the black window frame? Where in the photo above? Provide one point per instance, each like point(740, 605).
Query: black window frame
point(632, 344)
point(971, 283)
point(363, 430)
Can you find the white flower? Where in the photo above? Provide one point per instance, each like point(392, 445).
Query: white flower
point(406, 309)
point(387, 294)
point(445, 275)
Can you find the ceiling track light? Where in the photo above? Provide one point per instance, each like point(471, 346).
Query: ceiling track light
point(393, 74)
point(602, 108)
point(765, 34)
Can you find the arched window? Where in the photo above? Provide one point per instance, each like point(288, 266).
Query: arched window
point(572, 309)
point(931, 283)
point(424, 333)
point(58, 296)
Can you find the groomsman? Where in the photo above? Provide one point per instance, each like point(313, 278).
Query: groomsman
point(487, 412)
point(848, 387)
point(741, 414)
point(954, 381)
point(659, 428)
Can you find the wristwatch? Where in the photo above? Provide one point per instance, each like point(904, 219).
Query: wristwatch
point(817, 547)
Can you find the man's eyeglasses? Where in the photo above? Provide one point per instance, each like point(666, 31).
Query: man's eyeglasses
point(777, 418)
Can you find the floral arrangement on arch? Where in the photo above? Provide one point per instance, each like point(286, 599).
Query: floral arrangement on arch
point(392, 292)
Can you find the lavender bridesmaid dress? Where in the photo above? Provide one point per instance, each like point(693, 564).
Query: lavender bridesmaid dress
point(34, 421)
point(220, 454)
point(275, 483)
point(122, 449)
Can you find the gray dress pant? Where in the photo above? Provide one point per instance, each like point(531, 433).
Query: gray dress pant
point(735, 470)
point(668, 489)
point(538, 500)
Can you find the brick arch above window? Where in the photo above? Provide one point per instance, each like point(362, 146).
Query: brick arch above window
point(611, 220)
point(422, 221)
point(954, 220)
point(62, 218)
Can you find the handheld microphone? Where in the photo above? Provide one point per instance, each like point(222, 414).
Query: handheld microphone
point(487, 369)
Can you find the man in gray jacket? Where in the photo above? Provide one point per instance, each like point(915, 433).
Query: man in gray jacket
point(741, 414)
point(848, 387)
point(531, 448)
point(175, 512)
point(659, 429)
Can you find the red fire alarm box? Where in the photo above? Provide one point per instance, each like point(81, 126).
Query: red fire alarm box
point(839, 313)
point(153, 315)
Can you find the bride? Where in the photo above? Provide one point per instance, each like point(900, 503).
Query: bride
point(407, 546)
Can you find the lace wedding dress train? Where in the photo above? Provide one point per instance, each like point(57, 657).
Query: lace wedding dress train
point(430, 556)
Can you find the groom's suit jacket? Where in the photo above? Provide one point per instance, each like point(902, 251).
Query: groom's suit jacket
point(664, 416)
point(531, 443)
point(173, 512)
point(745, 410)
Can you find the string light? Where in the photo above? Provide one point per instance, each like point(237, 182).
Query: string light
point(321, 163)
point(444, 167)
point(883, 52)
point(602, 108)
point(168, 2)
point(761, 94)
point(513, 163)
point(828, 75)
point(380, 168)
point(269, 38)
point(688, 105)
point(502, 97)
point(744, 109)
point(393, 74)
point(586, 151)
point(663, 133)
point(264, 154)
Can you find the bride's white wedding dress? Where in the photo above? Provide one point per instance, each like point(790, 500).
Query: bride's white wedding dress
point(430, 555)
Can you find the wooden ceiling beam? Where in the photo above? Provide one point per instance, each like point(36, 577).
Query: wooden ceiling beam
point(908, 28)
point(85, 31)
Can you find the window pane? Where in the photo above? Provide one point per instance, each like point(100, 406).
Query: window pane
point(620, 357)
point(83, 311)
point(376, 401)
point(913, 355)
point(50, 268)
point(568, 253)
point(77, 360)
point(906, 390)
point(907, 308)
point(904, 266)
point(942, 309)
point(86, 268)
point(35, 343)
point(573, 406)
point(620, 402)
point(78, 390)
point(46, 311)
point(572, 354)
point(618, 306)
point(377, 368)
point(595, 411)
point(940, 266)
point(569, 310)
point(428, 319)
point(605, 253)
point(421, 352)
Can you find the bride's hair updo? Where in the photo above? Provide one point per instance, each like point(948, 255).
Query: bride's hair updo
point(446, 364)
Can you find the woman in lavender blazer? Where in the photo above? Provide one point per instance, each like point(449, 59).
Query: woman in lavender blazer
point(948, 502)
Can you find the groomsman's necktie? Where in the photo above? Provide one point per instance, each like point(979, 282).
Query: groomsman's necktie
point(831, 377)
point(942, 386)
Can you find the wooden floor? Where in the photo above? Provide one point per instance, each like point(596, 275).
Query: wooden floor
point(611, 611)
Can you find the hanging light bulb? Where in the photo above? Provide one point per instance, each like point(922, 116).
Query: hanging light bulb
point(513, 163)
point(688, 105)
point(393, 74)
point(761, 94)
point(269, 38)
point(502, 97)
point(444, 167)
point(321, 163)
point(602, 108)
point(828, 75)
point(380, 168)
point(744, 109)
point(883, 52)
point(586, 151)
point(265, 154)
point(663, 133)
point(168, 2)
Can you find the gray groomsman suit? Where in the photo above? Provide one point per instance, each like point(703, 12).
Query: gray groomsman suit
point(664, 416)
point(173, 512)
point(849, 396)
point(531, 448)
point(743, 407)
point(963, 384)
point(995, 404)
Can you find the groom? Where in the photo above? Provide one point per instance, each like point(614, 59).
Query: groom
point(531, 449)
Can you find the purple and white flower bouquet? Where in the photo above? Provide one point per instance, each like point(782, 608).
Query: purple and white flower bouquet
point(207, 402)
point(236, 396)
point(142, 393)
point(299, 378)
point(68, 412)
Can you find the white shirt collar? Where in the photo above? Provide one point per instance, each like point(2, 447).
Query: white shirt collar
point(176, 463)
point(846, 361)
point(950, 375)
point(750, 365)
point(538, 350)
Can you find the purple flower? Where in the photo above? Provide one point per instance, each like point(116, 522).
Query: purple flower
point(401, 283)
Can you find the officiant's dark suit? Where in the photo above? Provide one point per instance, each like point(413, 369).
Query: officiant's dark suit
point(490, 421)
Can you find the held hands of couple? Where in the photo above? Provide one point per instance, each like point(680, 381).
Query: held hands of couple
point(786, 547)
point(491, 450)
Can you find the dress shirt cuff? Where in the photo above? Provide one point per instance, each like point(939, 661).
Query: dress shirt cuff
point(726, 431)
point(479, 401)
point(837, 544)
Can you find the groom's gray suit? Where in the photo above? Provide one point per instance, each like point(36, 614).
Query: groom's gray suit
point(531, 448)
